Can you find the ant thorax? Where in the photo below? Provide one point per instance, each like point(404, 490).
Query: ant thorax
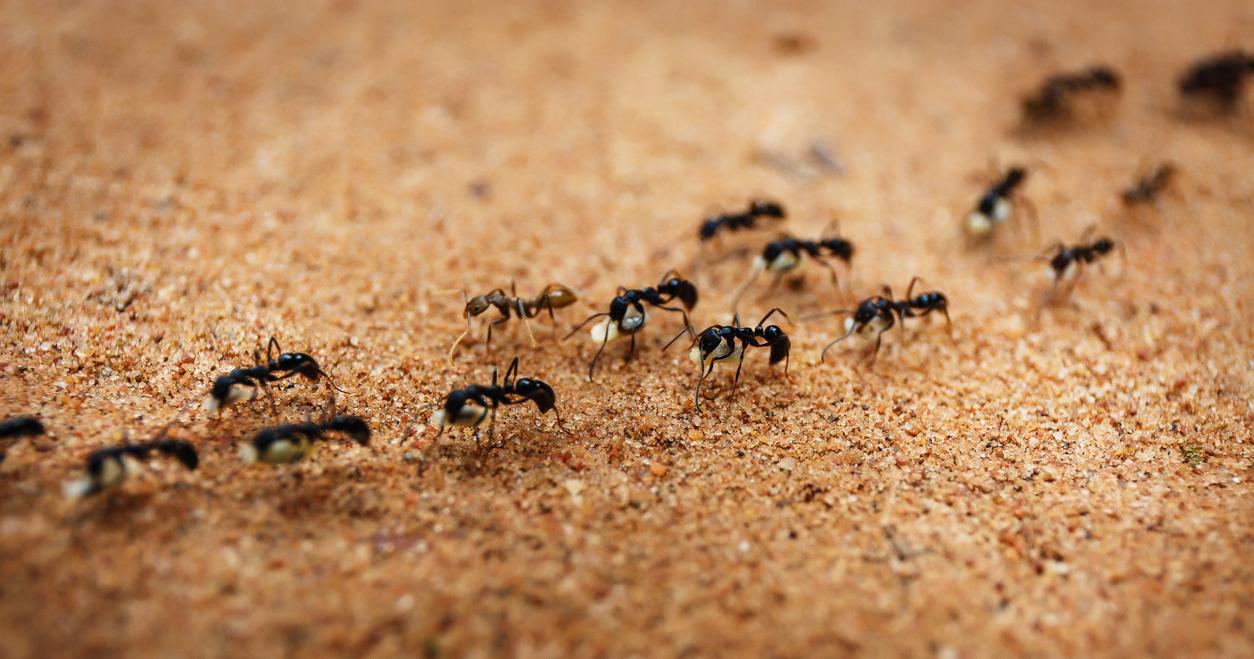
point(632, 321)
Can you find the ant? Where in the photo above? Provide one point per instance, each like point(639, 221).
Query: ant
point(1052, 100)
point(1148, 188)
point(292, 442)
point(627, 313)
point(473, 405)
point(1065, 258)
point(723, 342)
point(109, 467)
point(997, 204)
point(554, 296)
point(17, 427)
point(879, 313)
point(243, 384)
point(788, 254)
point(729, 222)
point(1220, 78)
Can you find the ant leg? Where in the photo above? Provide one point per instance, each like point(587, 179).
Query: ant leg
point(876, 352)
point(274, 343)
point(736, 380)
point(823, 354)
point(592, 366)
point(910, 289)
point(702, 372)
point(527, 324)
point(632, 350)
point(458, 340)
point(1036, 219)
point(492, 324)
point(832, 269)
point(688, 329)
point(758, 267)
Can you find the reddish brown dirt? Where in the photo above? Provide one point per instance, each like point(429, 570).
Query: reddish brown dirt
point(181, 180)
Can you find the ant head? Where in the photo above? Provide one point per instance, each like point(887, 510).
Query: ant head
point(453, 404)
point(353, 426)
point(839, 247)
point(1103, 245)
point(773, 249)
point(180, 450)
point(477, 305)
point(537, 391)
point(1015, 176)
point(773, 333)
point(709, 341)
point(618, 307)
point(867, 310)
point(291, 361)
point(709, 228)
point(767, 208)
point(1105, 76)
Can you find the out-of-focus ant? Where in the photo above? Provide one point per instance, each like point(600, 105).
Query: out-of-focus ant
point(244, 384)
point(1055, 99)
point(109, 467)
point(627, 314)
point(15, 428)
point(1147, 189)
point(719, 343)
point(1064, 259)
point(996, 205)
point(1219, 78)
point(879, 313)
point(472, 406)
point(553, 296)
point(788, 254)
point(747, 219)
point(293, 442)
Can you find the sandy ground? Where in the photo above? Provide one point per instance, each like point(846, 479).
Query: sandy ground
point(181, 180)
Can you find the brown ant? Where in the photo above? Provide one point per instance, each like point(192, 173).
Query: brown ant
point(788, 254)
point(1220, 78)
point(879, 313)
point(476, 404)
point(109, 467)
point(1147, 189)
point(15, 428)
point(627, 314)
point(554, 296)
point(996, 205)
point(723, 342)
point(1053, 100)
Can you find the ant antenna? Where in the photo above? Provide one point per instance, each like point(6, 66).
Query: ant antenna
point(758, 267)
point(461, 336)
point(823, 354)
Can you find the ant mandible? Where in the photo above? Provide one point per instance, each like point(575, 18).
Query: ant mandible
point(788, 254)
point(471, 406)
point(723, 342)
point(879, 313)
point(553, 296)
point(109, 467)
point(627, 314)
point(996, 205)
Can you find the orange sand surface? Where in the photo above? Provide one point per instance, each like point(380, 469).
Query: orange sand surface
point(181, 180)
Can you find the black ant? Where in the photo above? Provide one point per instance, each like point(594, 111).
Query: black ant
point(879, 313)
point(788, 254)
point(1053, 100)
point(476, 404)
point(627, 313)
point(293, 442)
point(723, 342)
point(17, 427)
point(997, 204)
point(728, 222)
point(109, 467)
point(1065, 258)
point(1220, 78)
point(554, 296)
point(243, 384)
point(1148, 188)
